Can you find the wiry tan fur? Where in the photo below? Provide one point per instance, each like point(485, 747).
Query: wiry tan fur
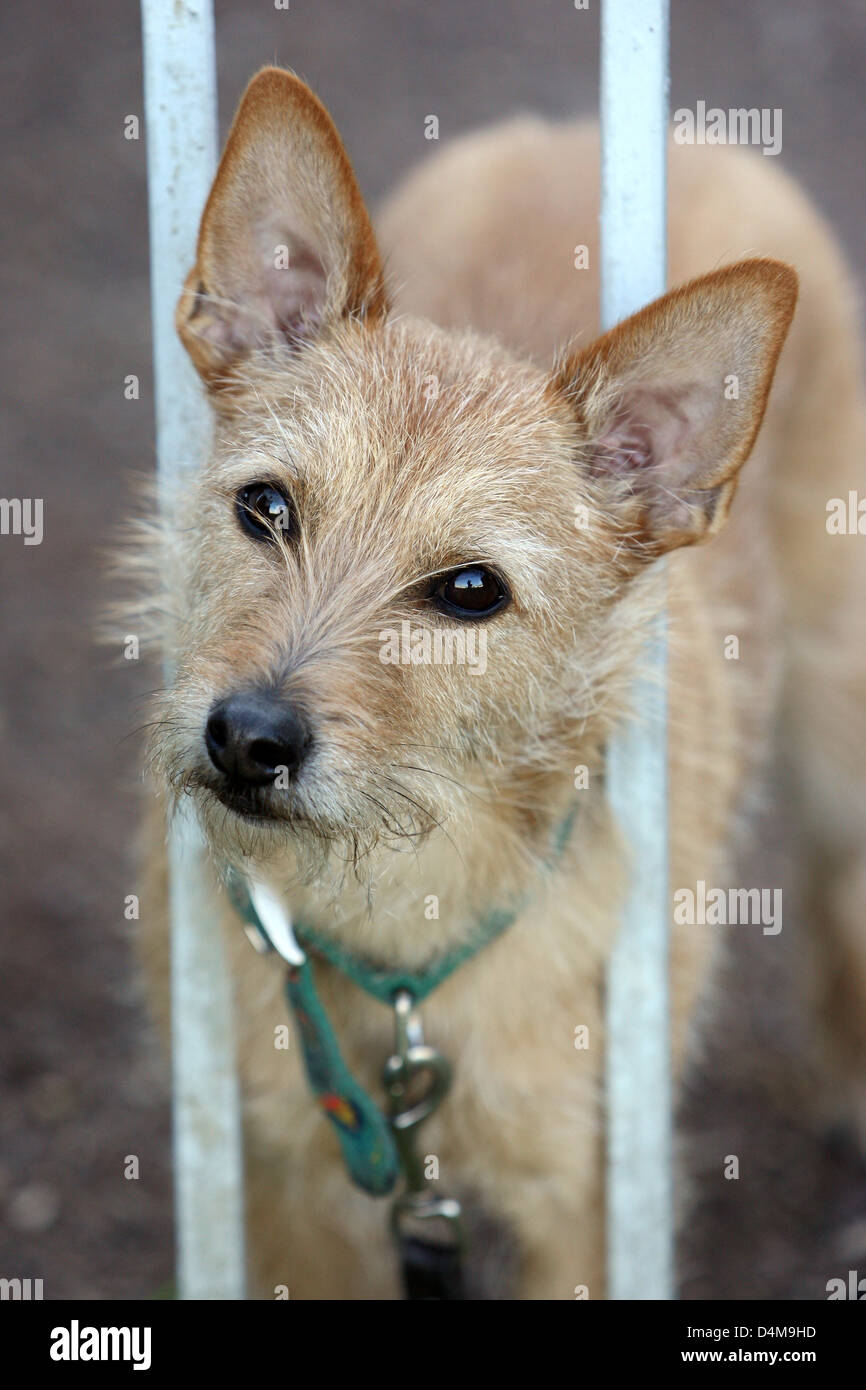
point(433, 780)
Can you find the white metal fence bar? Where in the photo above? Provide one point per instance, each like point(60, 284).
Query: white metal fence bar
point(634, 99)
point(180, 112)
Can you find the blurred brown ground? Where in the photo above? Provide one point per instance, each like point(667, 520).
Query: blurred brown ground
point(83, 1084)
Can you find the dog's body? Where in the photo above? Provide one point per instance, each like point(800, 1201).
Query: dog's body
point(393, 480)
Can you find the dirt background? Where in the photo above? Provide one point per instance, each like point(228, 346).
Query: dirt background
point(83, 1084)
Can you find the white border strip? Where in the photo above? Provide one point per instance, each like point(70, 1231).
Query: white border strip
point(180, 109)
point(634, 98)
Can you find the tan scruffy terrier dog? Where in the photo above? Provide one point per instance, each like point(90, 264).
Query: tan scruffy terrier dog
point(406, 600)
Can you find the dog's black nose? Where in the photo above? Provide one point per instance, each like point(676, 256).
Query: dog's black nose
point(253, 735)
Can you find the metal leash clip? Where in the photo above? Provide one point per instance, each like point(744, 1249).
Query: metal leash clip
point(417, 1079)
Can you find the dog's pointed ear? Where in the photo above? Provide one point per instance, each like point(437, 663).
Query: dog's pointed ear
point(285, 244)
point(669, 402)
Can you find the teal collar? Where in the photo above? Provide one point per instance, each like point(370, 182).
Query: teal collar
point(364, 1134)
point(385, 985)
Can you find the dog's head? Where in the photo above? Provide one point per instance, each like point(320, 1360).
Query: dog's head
point(399, 583)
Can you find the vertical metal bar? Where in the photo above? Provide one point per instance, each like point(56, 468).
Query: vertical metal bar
point(180, 111)
point(634, 99)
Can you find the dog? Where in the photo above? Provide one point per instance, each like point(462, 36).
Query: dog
point(423, 454)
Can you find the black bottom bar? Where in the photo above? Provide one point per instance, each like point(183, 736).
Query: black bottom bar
point(163, 1337)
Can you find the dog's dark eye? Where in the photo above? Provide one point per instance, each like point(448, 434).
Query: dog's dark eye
point(473, 592)
point(264, 511)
